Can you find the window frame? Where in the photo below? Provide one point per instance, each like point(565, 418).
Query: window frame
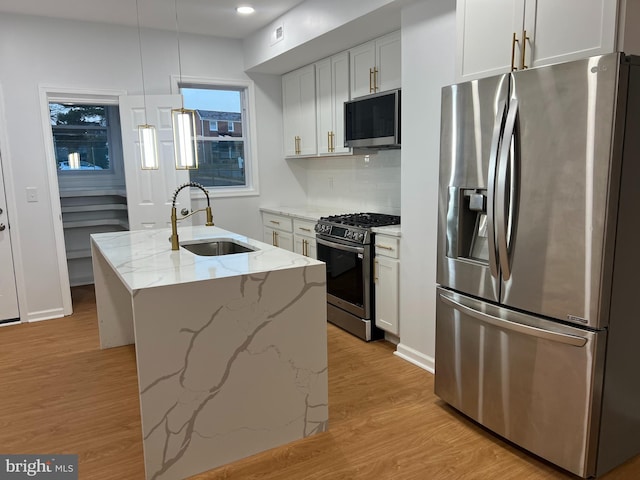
point(248, 114)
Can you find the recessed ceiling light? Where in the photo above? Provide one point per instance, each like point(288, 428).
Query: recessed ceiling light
point(245, 10)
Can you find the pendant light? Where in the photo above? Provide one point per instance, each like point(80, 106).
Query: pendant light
point(74, 160)
point(184, 124)
point(147, 137)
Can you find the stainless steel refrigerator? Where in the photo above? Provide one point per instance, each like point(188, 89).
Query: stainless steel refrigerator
point(538, 323)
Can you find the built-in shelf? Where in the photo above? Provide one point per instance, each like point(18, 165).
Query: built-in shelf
point(86, 211)
point(79, 253)
point(96, 223)
point(94, 192)
point(94, 208)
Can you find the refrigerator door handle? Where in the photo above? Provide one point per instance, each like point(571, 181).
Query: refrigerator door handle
point(515, 327)
point(498, 128)
point(505, 206)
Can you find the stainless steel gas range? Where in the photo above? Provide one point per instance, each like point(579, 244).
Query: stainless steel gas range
point(345, 244)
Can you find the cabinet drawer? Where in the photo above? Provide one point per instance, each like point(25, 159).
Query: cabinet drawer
point(304, 227)
point(277, 221)
point(387, 246)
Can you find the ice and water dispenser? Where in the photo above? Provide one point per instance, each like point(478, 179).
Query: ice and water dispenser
point(467, 224)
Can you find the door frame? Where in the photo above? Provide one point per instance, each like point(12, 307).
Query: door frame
point(81, 95)
point(12, 214)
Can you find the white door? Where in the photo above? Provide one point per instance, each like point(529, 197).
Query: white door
point(150, 192)
point(8, 294)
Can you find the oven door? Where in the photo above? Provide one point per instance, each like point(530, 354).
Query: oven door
point(348, 275)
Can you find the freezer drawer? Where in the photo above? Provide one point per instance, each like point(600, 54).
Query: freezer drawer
point(533, 381)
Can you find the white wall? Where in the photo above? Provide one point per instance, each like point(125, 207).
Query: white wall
point(428, 53)
point(40, 51)
point(304, 24)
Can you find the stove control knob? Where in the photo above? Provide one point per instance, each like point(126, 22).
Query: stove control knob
point(361, 236)
point(348, 234)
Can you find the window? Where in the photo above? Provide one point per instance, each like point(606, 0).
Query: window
point(221, 119)
point(82, 136)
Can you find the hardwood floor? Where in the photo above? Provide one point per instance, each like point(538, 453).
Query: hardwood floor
point(59, 393)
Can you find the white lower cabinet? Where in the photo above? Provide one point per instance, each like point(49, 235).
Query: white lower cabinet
point(278, 230)
point(387, 283)
point(304, 238)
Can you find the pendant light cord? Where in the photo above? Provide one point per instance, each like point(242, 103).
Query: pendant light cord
point(179, 57)
point(144, 93)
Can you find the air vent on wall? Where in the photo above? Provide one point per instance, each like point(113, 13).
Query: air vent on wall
point(277, 34)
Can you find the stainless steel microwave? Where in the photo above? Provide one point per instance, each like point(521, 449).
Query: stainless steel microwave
point(373, 121)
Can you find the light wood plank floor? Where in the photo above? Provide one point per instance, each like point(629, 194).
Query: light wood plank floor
point(59, 393)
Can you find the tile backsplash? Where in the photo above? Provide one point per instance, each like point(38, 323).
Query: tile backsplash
point(356, 183)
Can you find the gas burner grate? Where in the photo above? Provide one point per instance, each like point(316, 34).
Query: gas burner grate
point(364, 220)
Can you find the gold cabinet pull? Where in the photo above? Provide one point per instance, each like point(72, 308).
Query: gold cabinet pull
point(329, 142)
point(375, 271)
point(384, 247)
point(304, 229)
point(524, 48)
point(274, 221)
point(297, 144)
point(371, 84)
point(332, 145)
point(376, 87)
point(275, 238)
point(305, 248)
point(514, 40)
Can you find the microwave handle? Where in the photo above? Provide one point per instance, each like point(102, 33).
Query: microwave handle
point(339, 246)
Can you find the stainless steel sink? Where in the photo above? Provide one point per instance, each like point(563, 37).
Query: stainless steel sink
point(210, 248)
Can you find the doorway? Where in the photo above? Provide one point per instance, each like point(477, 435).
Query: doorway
point(86, 175)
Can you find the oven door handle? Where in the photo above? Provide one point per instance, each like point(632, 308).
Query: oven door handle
point(339, 246)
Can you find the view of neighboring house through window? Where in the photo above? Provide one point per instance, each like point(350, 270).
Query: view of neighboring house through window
point(81, 136)
point(222, 146)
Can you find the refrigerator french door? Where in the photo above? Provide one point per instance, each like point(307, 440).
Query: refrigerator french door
point(529, 200)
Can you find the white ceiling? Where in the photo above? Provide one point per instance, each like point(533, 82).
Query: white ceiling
point(208, 17)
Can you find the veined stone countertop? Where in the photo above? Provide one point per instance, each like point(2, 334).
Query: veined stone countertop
point(144, 259)
point(307, 213)
point(231, 350)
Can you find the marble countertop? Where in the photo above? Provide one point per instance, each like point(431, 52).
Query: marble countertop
point(310, 213)
point(392, 230)
point(144, 259)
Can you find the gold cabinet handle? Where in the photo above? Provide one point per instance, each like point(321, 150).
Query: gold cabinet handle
point(275, 239)
point(371, 84)
point(274, 221)
point(305, 248)
point(329, 142)
point(375, 271)
point(297, 144)
point(305, 229)
point(376, 87)
point(384, 247)
point(332, 136)
point(514, 40)
point(524, 48)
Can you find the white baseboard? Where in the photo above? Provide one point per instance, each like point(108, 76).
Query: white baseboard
point(45, 315)
point(419, 359)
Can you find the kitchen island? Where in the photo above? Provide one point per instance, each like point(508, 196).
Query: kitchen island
point(231, 350)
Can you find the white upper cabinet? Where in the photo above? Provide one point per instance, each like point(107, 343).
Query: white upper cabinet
point(497, 36)
point(299, 112)
point(332, 90)
point(376, 65)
